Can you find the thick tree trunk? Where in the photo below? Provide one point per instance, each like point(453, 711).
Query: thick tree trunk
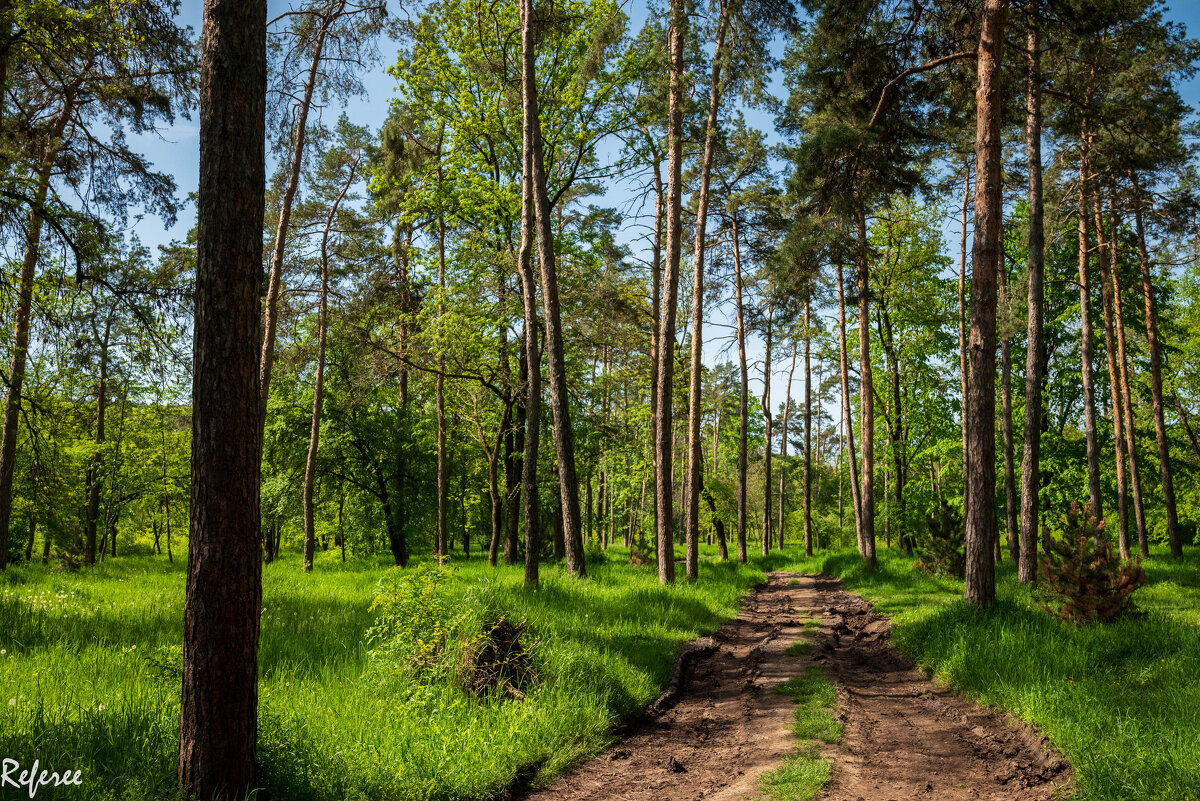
point(866, 396)
point(808, 454)
point(695, 468)
point(314, 435)
point(1156, 384)
point(1034, 359)
point(665, 432)
point(981, 407)
point(743, 393)
point(848, 419)
point(295, 163)
point(218, 727)
point(766, 410)
point(1114, 381)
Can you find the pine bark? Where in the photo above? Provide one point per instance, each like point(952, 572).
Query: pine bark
point(848, 419)
point(981, 532)
point(695, 468)
point(1156, 383)
point(664, 436)
point(219, 707)
point(783, 444)
point(1107, 249)
point(808, 454)
point(866, 397)
point(560, 400)
point(767, 420)
point(743, 393)
point(1010, 479)
point(1036, 266)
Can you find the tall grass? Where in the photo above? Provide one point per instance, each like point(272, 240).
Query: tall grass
point(89, 678)
point(1121, 701)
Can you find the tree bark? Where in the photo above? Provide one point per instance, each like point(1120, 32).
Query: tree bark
point(766, 410)
point(219, 707)
point(1114, 381)
point(1085, 316)
point(1010, 479)
point(664, 435)
point(866, 396)
point(808, 527)
point(296, 161)
point(848, 419)
point(981, 408)
point(1156, 385)
point(787, 409)
point(16, 370)
point(695, 468)
point(314, 435)
point(744, 392)
point(1135, 479)
point(1034, 359)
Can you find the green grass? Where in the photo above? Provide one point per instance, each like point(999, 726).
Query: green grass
point(805, 772)
point(1121, 702)
point(88, 665)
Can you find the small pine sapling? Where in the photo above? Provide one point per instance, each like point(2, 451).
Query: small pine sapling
point(1084, 573)
point(942, 548)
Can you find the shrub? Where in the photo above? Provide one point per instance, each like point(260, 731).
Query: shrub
point(1085, 575)
point(942, 548)
point(425, 635)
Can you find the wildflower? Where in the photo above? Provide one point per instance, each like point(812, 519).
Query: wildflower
point(12, 701)
point(3, 651)
point(100, 708)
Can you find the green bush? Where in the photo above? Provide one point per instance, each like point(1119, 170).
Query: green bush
point(421, 636)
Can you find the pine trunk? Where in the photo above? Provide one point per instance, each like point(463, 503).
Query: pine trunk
point(866, 396)
point(743, 394)
point(980, 531)
point(218, 728)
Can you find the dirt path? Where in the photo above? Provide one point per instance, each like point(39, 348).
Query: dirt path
point(904, 738)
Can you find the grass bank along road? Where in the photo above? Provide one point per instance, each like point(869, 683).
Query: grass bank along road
point(904, 738)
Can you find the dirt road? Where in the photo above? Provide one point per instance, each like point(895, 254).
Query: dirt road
point(904, 737)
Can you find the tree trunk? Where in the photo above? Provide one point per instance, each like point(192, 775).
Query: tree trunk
point(1085, 316)
point(314, 436)
point(963, 367)
point(744, 392)
point(695, 469)
point(218, 727)
point(808, 527)
point(787, 409)
point(92, 478)
point(1034, 360)
point(533, 357)
point(1010, 478)
point(1156, 386)
point(766, 410)
point(848, 419)
point(981, 407)
point(514, 470)
point(655, 325)
point(665, 432)
point(1114, 380)
point(16, 370)
point(295, 163)
point(866, 396)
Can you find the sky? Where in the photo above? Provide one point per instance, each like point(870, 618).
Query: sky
point(176, 151)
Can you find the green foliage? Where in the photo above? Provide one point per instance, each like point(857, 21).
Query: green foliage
point(942, 547)
point(1085, 575)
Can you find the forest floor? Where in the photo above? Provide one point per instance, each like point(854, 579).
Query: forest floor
point(902, 737)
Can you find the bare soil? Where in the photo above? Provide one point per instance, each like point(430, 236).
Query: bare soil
point(724, 725)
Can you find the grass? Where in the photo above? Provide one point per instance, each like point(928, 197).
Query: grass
point(805, 772)
point(1121, 701)
point(89, 678)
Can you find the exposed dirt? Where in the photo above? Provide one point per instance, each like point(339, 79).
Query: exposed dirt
point(725, 725)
